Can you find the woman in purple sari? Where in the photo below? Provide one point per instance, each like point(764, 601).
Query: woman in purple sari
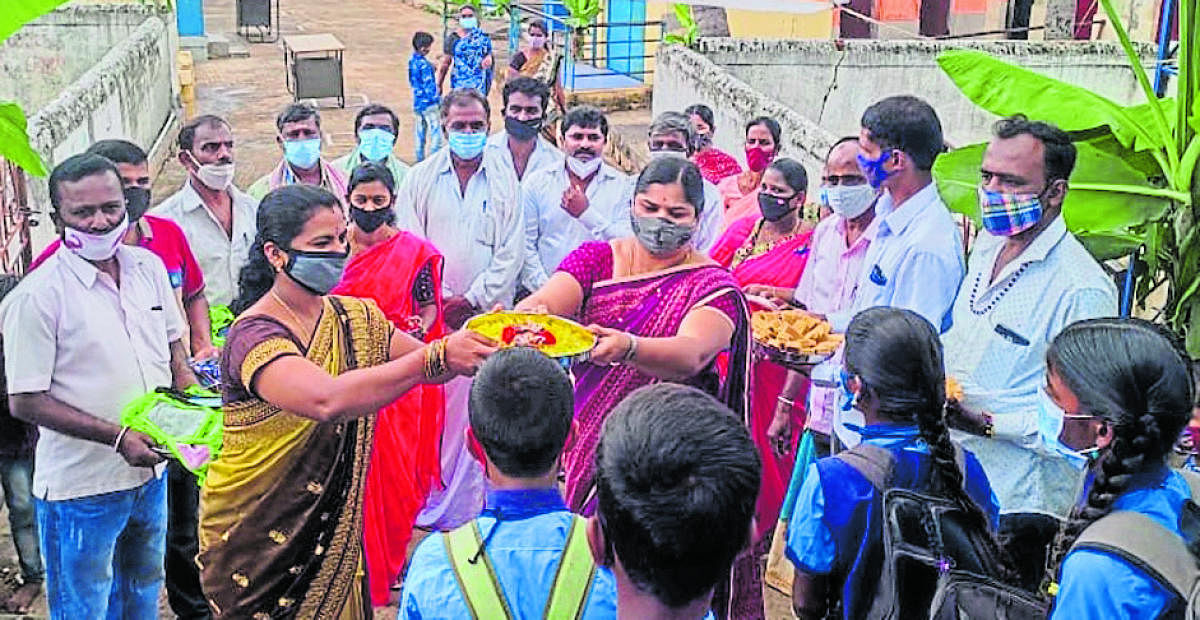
point(662, 311)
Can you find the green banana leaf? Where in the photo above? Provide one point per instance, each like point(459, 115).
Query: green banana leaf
point(1005, 89)
point(1106, 203)
point(14, 141)
point(17, 13)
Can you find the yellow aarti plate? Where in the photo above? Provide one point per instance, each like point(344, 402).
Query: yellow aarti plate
point(555, 336)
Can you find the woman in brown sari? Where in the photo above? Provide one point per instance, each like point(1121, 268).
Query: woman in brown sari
point(304, 374)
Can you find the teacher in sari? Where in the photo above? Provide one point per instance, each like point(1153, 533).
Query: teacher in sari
point(768, 252)
point(740, 191)
point(305, 372)
point(662, 311)
point(402, 274)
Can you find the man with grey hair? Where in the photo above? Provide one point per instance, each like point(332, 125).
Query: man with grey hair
point(300, 138)
point(671, 136)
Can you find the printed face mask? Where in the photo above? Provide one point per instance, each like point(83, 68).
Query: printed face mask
point(467, 145)
point(873, 168)
point(316, 272)
point(376, 144)
point(302, 154)
point(370, 221)
point(774, 208)
point(848, 201)
point(523, 131)
point(137, 202)
point(660, 235)
point(1007, 214)
point(89, 246)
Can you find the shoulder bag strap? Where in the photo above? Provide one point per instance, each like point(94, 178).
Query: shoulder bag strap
point(1144, 543)
point(873, 462)
point(573, 581)
point(347, 334)
point(475, 575)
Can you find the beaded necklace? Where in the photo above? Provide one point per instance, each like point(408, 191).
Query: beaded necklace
point(1009, 282)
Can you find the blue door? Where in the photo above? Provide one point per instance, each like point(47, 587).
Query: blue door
point(556, 9)
point(626, 46)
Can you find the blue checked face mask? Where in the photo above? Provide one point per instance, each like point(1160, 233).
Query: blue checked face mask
point(1006, 214)
point(376, 144)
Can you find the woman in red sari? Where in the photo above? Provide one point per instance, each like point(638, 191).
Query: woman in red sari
point(714, 163)
point(769, 251)
point(740, 192)
point(402, 273)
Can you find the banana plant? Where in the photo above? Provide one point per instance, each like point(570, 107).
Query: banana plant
point(1135, 184)
point(690, 29)
point(582, 13)
point(14, 137)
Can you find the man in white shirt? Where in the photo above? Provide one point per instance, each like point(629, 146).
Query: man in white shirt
point(671, 135)
point(218, 219)
point(467, 202)
point(520, 145)
point(93, 328)
point(581, 199)
point(1027, 279)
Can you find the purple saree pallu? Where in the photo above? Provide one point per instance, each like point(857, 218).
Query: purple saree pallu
point(651, 306)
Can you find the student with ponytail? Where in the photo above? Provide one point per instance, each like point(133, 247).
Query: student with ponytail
point(894, 375)
point(1126, 389)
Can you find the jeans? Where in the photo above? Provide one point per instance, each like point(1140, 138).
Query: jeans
point(16, 476)
point(105, 553)
point(183, 576)
point(428, 122)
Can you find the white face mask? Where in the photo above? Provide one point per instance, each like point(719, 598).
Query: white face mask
point(848, 201)
point(95, 247)
point(216, 177)
point(584, 169)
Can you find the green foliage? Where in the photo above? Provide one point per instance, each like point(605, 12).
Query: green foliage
point(691, 30)
point(14, 141)
point(582, 13)
point(1135, 182)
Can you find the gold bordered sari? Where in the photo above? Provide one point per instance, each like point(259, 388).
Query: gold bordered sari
point(281, 510)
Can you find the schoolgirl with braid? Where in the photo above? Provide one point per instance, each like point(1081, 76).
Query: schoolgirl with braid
point(1126, 390)
point(895, 377)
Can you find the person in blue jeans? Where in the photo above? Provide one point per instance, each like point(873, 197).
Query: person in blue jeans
point(895, 376)
point(93, 328)
point(17, 441)
point(426, 101)
point(526, 555)
point(677, 477)
point(1126, 391)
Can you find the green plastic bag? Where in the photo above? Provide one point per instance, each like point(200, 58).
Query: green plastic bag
point(187, 424)
point(221, 317)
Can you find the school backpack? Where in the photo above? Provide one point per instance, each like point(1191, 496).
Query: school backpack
point(936, 562)
point(1156, 550)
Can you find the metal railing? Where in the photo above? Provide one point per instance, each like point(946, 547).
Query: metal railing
point(16, 248)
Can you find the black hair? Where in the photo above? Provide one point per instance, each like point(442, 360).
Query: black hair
point(282, 214)
point(897, 356)
point(704, 112)
point(462, 97)
point(1058, 158)
point(187, 133)
point(371, 171)
point(668, 170)
point(375, 108)
point(528, 86)
point(540, 24)
point(521, 407)
point(296, 112)
point(840, 141)
point(677, 477)
point(77, 167)
point(793, 173)
point(908, 124)
point(118, 151)
point(8, 281)
point(1136, 377)
point(422, 39)
point(772, 126)
point(585, 117)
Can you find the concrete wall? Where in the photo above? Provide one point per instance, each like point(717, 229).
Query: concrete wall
point(832, 83)
point(686, 77)
point(127, 93)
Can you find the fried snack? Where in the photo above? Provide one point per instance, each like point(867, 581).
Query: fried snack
point(954, 389)
point(795, 331)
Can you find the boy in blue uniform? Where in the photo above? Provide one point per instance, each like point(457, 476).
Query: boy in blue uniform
point(526, 555)
point(426, 99)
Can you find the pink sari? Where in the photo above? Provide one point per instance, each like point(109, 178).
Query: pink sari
point(738, 204)
point(781, 266)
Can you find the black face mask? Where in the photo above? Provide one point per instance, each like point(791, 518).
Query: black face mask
point(370, 221)
point(523, 131)
point(137, 202)
point(774, 208)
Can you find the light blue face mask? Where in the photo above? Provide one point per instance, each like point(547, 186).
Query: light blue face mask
point(467, 145)
point(468, 23)
point(376, 144)
point(1050, 424)
point(302, 154)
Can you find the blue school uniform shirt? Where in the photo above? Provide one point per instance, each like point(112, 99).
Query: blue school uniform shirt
point(836, 521)
point(1096, 584)
point(524, 551)
point(423, 83)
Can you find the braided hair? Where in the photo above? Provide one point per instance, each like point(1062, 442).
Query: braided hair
point(897, 356)
point(1136, 377)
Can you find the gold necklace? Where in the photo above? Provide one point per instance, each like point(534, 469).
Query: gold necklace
point(281, 302)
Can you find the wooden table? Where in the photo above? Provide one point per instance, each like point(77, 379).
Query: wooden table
point(313, 66)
